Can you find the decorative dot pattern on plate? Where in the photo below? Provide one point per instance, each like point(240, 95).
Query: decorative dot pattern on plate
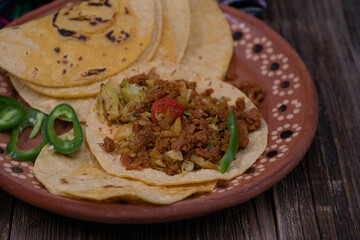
point(285, 85)
point(22, 171)
point(258, 49)
point(274, 68)
point(286, 109)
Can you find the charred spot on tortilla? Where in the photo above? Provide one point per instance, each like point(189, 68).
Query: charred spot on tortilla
point(57, 49)
point(95, 4)
point(65, 32)
point(111, 186)
point(93, 72)
point(92, 21)
point(110, 36)
point(126, 10)
point(80, 18)
point(99, 4)
point(122, 37)
point(63, 181)
point(69, 33)
point(35, 71)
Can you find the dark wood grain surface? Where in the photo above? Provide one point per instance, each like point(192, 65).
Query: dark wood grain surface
point(319, 199)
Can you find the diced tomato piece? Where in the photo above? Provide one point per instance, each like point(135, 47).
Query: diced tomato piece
point(166, 109)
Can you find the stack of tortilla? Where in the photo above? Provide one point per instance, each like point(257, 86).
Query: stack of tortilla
point(66, 56)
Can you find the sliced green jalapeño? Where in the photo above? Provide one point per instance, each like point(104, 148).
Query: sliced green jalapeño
point(31, 117)
point(11, 113)
point(233, 142)
point(9, 100)
point(64, 145)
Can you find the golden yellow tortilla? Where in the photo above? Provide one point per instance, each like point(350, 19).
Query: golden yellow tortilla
point(176, 31)
point(162, 46)
point(174, 36)
point(179, 18)
point(166, 49)
point(47, 104)
point(79, 175)
point(154, 44)
point(81, 91)
point(74, 46)
point(171, 71)
point(210, 44)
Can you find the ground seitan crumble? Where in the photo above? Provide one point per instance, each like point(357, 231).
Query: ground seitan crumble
point(197, 139)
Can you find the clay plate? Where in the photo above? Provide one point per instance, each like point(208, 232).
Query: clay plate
point(290, 109)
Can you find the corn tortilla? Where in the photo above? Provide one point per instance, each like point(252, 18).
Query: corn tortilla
point(47, 104)
point(209, 48)
point(74, 47)
point(154, 44)
point(175, 33)
point(176, 29)
point(166, 49)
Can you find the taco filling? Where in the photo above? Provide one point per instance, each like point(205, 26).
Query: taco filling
point(168, 125)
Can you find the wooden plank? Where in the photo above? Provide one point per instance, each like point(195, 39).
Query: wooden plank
point(246, 221)
point(6, 208)
point(253, 219)
point(324, 37)
point(33, 223)
point(295, 212)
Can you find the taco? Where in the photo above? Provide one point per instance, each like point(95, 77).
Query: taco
point(164, 124)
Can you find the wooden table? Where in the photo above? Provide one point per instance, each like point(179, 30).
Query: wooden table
point(319, 199)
